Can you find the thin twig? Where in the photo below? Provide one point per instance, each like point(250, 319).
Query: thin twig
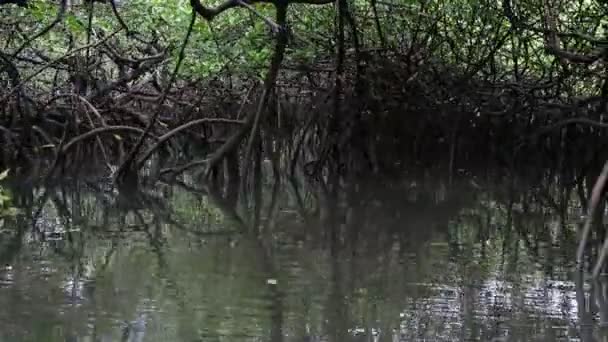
point(274, 26)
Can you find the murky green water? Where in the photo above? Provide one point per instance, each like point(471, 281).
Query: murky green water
point(405, 262)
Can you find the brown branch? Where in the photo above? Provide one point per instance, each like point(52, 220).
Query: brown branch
point(580, 35)
point(274, 26)
point(312, 2)
point(377, 23)
point(124, 80)
point(596, 194)
point(560, 124)
point(209, 13)
point(97, 138)
point(234, 140)
point(46, 137)
point(96, 131)
point(118, 17)
point(120, 60)
point(7, 132)
point(582, 121)
point(180, 169)
point(176, 130)
point(126, 165)
point(11, 70)
point(275, 65)
point(79, 98)
point(572, 56)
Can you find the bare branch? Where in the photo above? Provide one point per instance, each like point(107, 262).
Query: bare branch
point(572, 56)
point(118, 17)
point(274, 26)
point(593, 203)
point(176, 130)
point(209, 13)
point(125, 166)
point(99, 130)
point(572, 121)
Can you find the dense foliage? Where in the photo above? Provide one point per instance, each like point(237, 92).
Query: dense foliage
point(505, 40)
point(344, 81)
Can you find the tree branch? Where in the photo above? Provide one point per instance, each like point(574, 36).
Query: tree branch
point(96, 131)
point(162, 139)
point(572, 56)
point(209, 13)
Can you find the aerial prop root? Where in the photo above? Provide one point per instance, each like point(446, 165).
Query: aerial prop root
point(162, 139)
point(596, 196)
point(127, 165)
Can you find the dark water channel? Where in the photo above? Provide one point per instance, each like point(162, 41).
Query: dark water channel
point(404, 260)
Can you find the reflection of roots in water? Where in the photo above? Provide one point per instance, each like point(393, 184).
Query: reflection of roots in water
point(386, 227)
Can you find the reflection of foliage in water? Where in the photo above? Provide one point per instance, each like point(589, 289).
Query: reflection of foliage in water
point(450, 266)
point(117, 275)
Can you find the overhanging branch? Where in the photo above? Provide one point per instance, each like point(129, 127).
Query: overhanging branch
point(572, 56)
point(209, 13)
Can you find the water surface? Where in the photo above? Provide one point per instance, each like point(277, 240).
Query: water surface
point(397, 261)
